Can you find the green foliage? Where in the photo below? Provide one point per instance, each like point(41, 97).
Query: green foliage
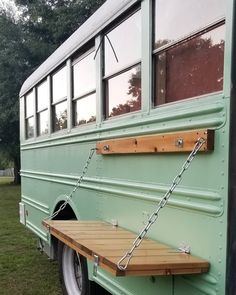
point(49, 22)
point(12, 74)
point(26, 40)
point(4, 162)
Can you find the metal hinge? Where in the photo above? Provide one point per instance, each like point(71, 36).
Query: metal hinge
point(95, 266)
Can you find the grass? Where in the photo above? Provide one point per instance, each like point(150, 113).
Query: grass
point(23, 270)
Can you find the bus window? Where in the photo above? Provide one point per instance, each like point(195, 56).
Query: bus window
point(123, 75)
point(188, 60)
point(84, 85)
point(29, 114)
point(59, 99)
point(42, 108)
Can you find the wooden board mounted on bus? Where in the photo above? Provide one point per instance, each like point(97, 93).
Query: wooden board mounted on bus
point(183, 141)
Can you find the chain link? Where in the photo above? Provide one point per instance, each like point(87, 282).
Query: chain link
point(124, 261)
point(77, 185)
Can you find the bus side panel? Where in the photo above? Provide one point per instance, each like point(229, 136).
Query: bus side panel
point(127, 188)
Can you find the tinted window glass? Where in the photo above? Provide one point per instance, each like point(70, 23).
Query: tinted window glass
point(192, 68)
point(126, 40)
point(124, 92)
point(59, 84)
point(42, 96)
point(85, 110)
point(84, 75)
point(60, 116)
point(177, 18)
point(29, 104)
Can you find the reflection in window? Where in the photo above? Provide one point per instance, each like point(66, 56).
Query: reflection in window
point(30, 127)
point(29, 105)
point(85, 110)
point(59, 84)
point(124, 92)
point(43, 122)
point(42, 96)
point(175, 19)
point(60, 116)
point(84, 79)
point(192, 68)
point(29, 115)
point(126, 40)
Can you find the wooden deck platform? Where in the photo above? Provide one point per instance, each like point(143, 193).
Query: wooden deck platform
point(109, 243)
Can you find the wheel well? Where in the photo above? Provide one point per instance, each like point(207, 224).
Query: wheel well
point(66, 214)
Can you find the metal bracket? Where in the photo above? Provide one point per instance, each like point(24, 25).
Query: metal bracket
point(95, 266)
point(184, 248)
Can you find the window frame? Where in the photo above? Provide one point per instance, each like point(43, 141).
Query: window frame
point(46, 108)
point(113, 74)
point(27, 118)
point(89, 49)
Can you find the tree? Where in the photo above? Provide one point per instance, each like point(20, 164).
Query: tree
point(12, 73)
point(26, 40)
point(4, 163)
point(49, 23)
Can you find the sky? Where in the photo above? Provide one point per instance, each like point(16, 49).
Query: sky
point(8, 5)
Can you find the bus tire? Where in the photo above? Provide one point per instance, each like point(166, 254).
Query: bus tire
point(73, 271)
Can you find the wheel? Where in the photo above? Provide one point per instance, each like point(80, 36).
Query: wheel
point(73, 271)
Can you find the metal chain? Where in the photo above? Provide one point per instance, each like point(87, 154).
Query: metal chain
point(124, 261)
point(77, 185)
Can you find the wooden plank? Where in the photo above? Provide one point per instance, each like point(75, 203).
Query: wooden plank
point(165, 272)
point(159, 143)
point(110, 244)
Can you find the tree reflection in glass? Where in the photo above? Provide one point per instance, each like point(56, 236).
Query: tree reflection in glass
point(124, 92)
point(60, 116)
point(30, 127)
point(85, 110)
point(191, 68)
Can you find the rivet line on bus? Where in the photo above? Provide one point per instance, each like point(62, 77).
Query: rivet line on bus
point(77, 185)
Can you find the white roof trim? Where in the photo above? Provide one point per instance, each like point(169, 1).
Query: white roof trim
point(98, 21)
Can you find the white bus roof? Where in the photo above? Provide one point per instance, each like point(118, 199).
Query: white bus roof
point(98, 21)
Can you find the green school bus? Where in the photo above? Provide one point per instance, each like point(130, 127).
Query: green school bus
point(128, 150)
